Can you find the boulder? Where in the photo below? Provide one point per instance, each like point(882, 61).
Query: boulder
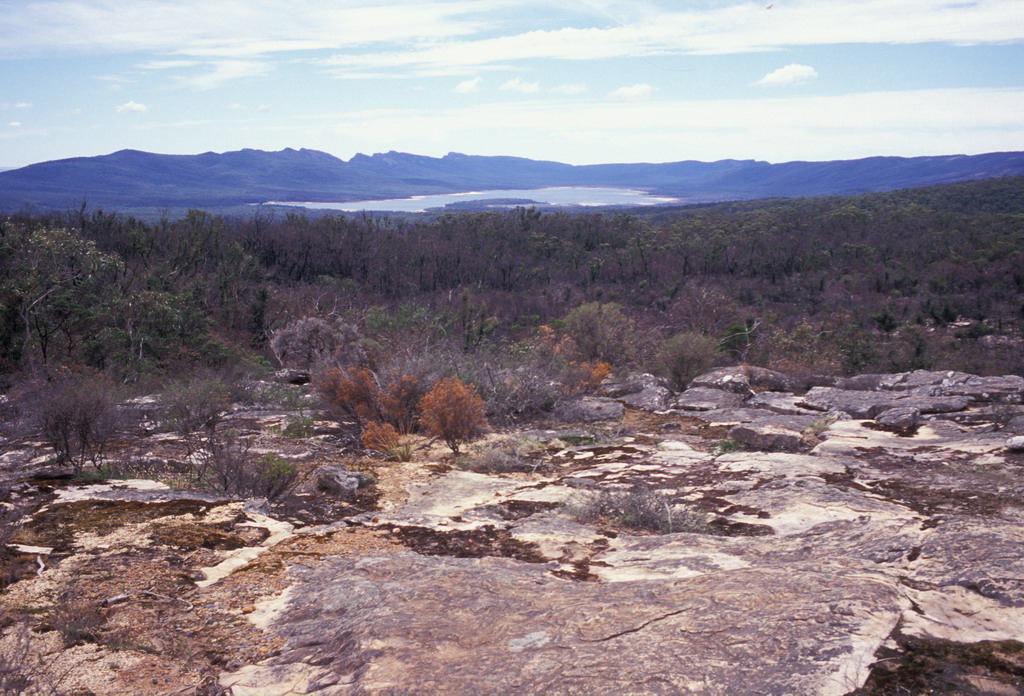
point(1015, 443)
point(778, 402)
point(589, 409)
point(747, 379)
point(289, 376)
point(865, 404)
point(923, 381)
point(900, 417)
point(705, 399)
point(654, 398)
point(630, 383)
point(1007, 389)
point(337, 480)
point(779, 433)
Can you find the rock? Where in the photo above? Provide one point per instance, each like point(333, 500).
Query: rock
point(1015, 425)
point(778, 402)
point(643, 391)
point(337, 480)
point(654, 398)
point(632, 383)
point(493, 625)
point(705, 399)
point(746, 379)
point(1007, 389)
point(923, 381)
point(588, 409)
point(868, 382)
point(289, 376)
point(1015, 443)
point(900, 417)
point(864, 404)
point(779, 433)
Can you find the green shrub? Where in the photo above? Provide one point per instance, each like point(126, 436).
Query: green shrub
point(685, 356)
point(601, 332)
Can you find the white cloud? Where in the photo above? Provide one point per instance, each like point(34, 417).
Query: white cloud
point(14, 124)
point(467, 86)
point(792, 74)
point(23, 105)
point(778, 129)
point(132, 108)
point(569, 89)
point(264, 107)
point(167, 64)
point(227, 70)
point(517, 84)
point(632, 93)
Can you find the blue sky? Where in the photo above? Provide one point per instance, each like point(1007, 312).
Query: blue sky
point(578, 81)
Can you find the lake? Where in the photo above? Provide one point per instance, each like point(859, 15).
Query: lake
point(503, 198)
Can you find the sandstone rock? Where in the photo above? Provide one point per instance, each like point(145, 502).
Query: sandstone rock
point(863, 404)
point(867, 382)
point(374, 624)
point(745, 379)
point(589, 409)
point(900, 417)
point(923, 381)
point(778, 402)
point(778, 433)
point(631, 383)
point(653, 398)
point(337, 480)
point(1015, 425)
point(1007, 389)
point(1015, 443)
point(705, 399)
point(290, 376)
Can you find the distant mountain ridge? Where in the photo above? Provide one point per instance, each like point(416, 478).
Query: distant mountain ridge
point(132, 179)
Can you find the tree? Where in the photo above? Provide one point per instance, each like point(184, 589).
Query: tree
point(601, 332)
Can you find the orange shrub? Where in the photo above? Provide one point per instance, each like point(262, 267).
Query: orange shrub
point(453, 412)
point(354, 392)
point(399, 402)
point(585, 377)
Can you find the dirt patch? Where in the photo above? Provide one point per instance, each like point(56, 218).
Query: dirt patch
point(475, 543)
point(928, 666)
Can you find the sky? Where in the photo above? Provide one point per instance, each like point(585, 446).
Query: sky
point(576, 81)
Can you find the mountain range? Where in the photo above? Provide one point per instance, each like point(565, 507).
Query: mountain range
point(132, 180)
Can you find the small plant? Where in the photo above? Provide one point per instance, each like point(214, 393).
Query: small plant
point(726, 446)
point(300, 428)
point(509, 455)
point(385, 439)
point(453, 412)
point(685, 356)
point(638, 508)
point(232, 470)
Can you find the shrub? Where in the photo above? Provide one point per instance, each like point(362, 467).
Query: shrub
point(352, 392)
point(601, 332)
point(685, 356)
point(234, 471)
point(453, 412)
point(638, 508)
point(385, 439)
point(194, 408)
point(508, 455)
point(310, 341)
point(76, 414)
point(584, 377)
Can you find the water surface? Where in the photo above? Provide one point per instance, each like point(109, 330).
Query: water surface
point(558, 196)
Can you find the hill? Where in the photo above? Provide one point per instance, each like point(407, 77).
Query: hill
point(131, 180)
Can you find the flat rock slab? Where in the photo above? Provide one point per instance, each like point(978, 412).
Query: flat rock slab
point(425, 625)
point(706, 399)
point(865, 404)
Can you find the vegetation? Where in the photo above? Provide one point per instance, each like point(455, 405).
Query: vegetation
point(527, 307)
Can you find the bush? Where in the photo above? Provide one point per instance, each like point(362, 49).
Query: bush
point(194, 408)
point(76, 414)
point(385, 439)
point(453, 412)
point(601, 332)
point(638, 508)
point(310, 341)
point(358, 393)
point(685, 356)
point(234, 471)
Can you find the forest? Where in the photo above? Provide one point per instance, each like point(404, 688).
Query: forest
point(919, 278)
